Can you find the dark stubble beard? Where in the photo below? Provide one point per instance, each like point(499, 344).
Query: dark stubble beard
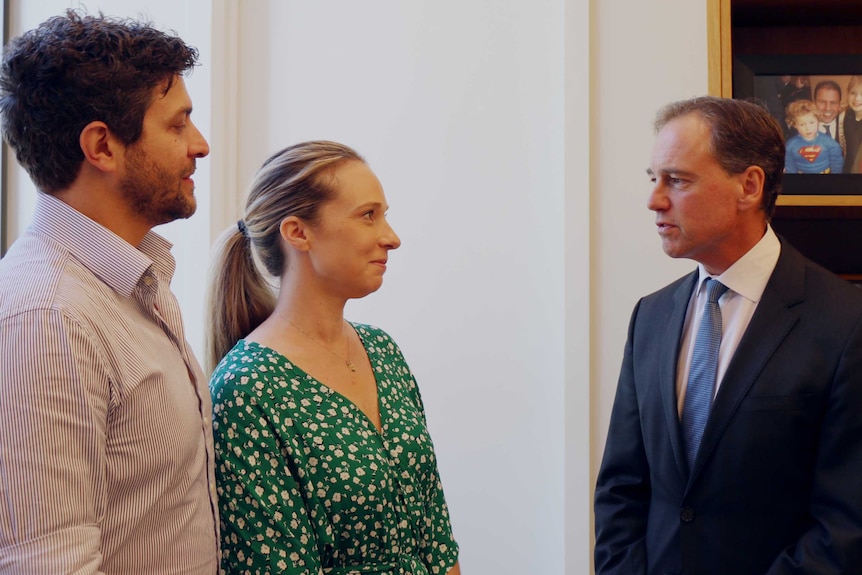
point(154, 193)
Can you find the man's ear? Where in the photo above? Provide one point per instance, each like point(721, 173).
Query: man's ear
point(101, 148)
point(294, 231)
point(752, 180)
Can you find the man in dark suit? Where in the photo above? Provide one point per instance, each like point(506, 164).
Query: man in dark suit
point(827, 98)
point(735, 442)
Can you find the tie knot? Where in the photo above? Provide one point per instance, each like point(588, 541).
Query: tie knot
point(714, 290)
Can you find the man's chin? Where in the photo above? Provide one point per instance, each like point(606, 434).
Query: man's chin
point(187, 213)
point(188, 206)
point(183, 212)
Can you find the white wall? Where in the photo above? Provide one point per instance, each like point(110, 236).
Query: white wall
point(578, 159)
point(646, 55)
point(512, 139)
point(458, 107)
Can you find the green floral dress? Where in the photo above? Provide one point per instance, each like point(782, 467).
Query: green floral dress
point(306, 483)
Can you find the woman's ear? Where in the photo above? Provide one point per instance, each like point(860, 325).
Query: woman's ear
point(294, 231)
point(100, 147)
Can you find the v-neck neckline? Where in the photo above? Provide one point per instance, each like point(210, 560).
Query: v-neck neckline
point(332, 392)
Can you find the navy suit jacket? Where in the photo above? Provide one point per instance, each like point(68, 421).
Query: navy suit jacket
point(777, 484)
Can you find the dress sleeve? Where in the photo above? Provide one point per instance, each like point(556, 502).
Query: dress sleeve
point(54, 396)
point(265, 526)
point(437, 546)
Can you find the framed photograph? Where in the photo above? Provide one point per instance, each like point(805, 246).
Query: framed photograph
point(815, 89)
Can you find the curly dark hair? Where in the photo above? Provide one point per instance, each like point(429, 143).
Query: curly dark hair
point(76, 69)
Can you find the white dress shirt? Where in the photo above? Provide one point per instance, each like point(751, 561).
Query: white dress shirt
point(746, 279)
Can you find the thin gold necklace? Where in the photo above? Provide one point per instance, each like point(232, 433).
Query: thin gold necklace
point(347, 361)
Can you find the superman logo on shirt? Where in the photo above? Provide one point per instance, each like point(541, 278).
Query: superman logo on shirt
point(810, 153)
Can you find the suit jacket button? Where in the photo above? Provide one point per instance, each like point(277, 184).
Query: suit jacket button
point(687, 514)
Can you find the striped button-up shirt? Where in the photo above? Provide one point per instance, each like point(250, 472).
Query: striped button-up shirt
point(106, 459)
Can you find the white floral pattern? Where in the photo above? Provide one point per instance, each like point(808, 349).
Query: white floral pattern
point(306, 483)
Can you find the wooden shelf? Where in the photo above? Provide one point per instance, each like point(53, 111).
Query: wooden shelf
point(741, 27)
point(754, 13)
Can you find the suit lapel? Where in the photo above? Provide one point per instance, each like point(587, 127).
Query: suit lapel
point(668, 368)
point(773, 319)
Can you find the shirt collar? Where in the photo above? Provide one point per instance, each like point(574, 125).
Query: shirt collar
point(109, 257)
point(749, 274)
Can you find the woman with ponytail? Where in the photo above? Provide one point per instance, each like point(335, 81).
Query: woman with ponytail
point(323, 458)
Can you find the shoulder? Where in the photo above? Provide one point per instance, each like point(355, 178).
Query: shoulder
point(30, 275)
point(656, 308)
point(39, 278)
point(825, 140)
point(831, 143)
point(796, 278)
point(375, 338)
point(370, 331)
point(822, 284)
point(682, 286)
point(385, 355)
point(243, 369)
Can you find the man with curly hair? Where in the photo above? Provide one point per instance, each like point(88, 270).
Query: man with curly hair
point(106, 459)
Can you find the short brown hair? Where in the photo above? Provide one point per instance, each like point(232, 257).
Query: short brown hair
point(742, 134)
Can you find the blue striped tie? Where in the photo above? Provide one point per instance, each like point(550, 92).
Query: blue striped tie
point(701, 374)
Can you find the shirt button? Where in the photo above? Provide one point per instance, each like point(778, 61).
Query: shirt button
point(687, 515)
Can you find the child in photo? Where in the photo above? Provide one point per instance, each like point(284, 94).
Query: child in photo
point(853, 126)
point(810, 151)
